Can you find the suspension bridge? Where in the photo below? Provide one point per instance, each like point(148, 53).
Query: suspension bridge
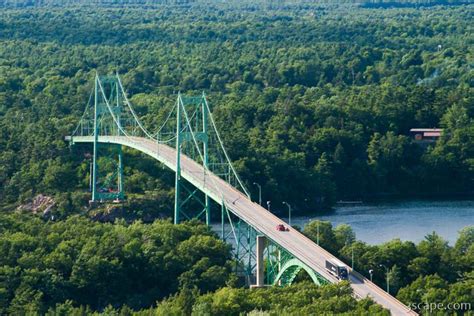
point(188, 143)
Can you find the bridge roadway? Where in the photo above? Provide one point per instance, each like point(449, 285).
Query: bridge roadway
point(253, 214)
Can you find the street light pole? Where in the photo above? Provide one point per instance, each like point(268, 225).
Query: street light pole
point(352, 253)
point(352, 246)
point(289, 212)
point(268, 205)
point(259, 193)
point(387, 276)
point(317, 232)
point(371, 272)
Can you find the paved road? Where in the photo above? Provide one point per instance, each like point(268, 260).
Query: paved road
point(258, 217)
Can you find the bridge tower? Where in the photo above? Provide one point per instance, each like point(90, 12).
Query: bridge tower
point(192, 139)
point(106, 172)
point(107, 184)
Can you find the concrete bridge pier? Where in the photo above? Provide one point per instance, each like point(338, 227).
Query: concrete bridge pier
point(260, 247)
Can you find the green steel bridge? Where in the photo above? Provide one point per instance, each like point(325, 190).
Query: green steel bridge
point(188, 143)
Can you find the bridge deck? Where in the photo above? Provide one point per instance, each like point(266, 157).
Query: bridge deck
point(258, 217)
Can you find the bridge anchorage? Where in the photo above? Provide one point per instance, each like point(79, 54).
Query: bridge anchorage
point(188, 142)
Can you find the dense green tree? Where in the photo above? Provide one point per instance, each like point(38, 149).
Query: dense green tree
point(95, 264)
point(344, 235)
point(322, 233)
point(431, 288)
point(435, 257)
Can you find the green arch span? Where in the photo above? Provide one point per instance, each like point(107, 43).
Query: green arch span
point(290, 269)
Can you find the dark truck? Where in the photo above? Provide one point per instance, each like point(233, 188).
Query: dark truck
point(337, 268)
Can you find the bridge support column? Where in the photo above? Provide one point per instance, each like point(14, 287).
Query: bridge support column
point(120, 174)
point(177, 186)
point(96, 140)
point(223, 221)
point(279, 264)
point(260, 247)
point(207, 202)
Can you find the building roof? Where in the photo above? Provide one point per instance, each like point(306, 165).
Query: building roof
point(432, 130)
point(432, 134)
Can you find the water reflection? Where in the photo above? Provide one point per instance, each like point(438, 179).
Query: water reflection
point(412, 220)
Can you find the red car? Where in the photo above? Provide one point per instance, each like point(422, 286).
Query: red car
point(282, 228)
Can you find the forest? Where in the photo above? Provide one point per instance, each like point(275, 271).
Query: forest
point(314, 102)
point(79, 267)
point(301, 97)
point(271, 4)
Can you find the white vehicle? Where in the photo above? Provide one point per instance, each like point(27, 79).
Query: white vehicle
point(337, 268)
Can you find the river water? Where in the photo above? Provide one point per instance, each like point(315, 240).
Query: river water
point(410, 220)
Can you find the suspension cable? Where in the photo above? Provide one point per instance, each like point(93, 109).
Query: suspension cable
point(166, 121)
point(111, 112)
point(131, 109)
point(84, 113)
point(223, 149)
